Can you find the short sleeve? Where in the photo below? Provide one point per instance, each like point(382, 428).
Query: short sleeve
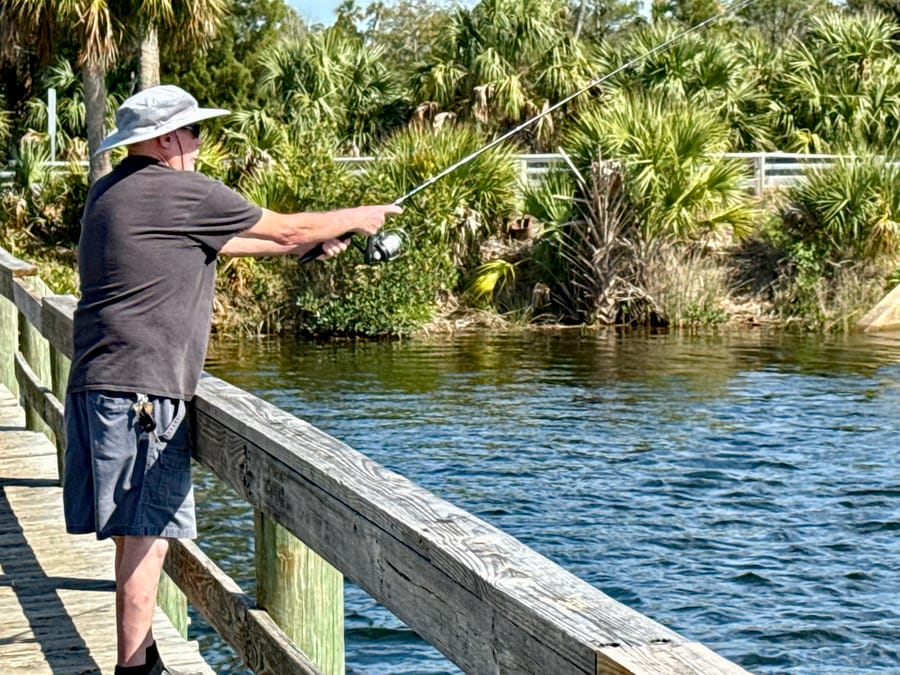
point(219, 215)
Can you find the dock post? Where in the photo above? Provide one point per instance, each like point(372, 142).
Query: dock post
point(9, 344)
point(36, 350)
point(174, 603)
point(60, 364)
point(302, 593)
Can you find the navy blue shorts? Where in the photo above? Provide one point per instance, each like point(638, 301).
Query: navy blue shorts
point(121, 480)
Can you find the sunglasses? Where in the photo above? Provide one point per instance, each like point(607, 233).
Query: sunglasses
point(194, 129)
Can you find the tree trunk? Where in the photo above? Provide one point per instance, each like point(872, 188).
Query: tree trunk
point(579, 24)
point(148, 67)
point(94, 80)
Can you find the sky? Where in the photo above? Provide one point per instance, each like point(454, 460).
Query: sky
point(321, 11)
point(316, 11)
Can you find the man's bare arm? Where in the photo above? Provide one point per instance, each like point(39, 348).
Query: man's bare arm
point(293, 230)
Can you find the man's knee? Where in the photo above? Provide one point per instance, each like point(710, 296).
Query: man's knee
point(140, 555)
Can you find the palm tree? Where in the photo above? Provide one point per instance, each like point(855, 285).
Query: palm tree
point(331, 77)
point(190, 22)
point(503, 62)
point(37, 22)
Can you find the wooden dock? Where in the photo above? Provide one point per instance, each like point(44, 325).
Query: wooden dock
point(57, 595)
point(323, 512)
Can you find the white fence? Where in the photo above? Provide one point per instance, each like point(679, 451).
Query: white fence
point(771, 170)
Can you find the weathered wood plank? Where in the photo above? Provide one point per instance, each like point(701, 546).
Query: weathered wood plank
point(252, 633)
point(12, 268)
point(40, 397)
point(302, 593)
point(57, 595)
point(446, 573)
point(28, 303)
point(58, 311)
point(9, 343)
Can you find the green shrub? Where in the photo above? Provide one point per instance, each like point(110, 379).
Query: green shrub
point(445, 224)
point(849, 210)
point(347, 297)
point(675, 173)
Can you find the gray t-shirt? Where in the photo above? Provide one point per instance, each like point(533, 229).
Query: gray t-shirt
point(147, 261)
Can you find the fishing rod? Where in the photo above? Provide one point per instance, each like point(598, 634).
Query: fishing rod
point(386, 246)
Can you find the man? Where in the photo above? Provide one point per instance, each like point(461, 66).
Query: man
point(151, 231)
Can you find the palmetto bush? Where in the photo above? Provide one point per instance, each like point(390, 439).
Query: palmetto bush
point(849, 210)
point(841, 86)
point(676, 176)
point(841, 235)
point(331, 77)
point(460, 210)
point(714, 70)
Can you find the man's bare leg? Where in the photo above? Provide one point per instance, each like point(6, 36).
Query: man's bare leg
point(139, 561)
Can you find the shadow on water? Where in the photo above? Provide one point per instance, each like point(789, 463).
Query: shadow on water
point(741, 488)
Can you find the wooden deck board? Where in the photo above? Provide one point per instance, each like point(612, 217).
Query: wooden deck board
point(57, 601)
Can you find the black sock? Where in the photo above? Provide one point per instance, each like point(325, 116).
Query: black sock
point(151, 656)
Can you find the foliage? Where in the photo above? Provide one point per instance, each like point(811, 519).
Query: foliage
point(504, 61)
point(600, 252)
point(332, 76)
point(444, 224)
point(850, 210)
point(353, 299)
point(407, 30)
point(888, 7)
point(815, 293)
point(463, 208)
point(780, 21)
point(40, 212)
point(676, 175)
point(550, 201)
point(596, 20)
point(284, 169)
point(226, 72)
point(716, 71)
point(689, 286)
point(5, 123)
point(492, 278)
point(690, 12)
point(840, 86)
point(840, 233)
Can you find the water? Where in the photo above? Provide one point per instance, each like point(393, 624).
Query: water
point(743, 490)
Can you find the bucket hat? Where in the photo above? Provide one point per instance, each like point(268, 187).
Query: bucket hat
point(154, 112)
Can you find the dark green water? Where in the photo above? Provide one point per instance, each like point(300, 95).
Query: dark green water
point(744, 489)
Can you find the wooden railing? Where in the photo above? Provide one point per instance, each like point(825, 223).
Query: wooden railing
point(484, 599)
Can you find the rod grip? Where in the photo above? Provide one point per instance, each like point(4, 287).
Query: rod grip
point(317, 250)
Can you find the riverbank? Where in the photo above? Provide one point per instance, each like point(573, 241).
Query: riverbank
point(748, 285)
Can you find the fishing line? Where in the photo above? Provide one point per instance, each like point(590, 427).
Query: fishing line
point(734, 9)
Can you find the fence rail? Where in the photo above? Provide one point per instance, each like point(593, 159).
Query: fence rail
point(770, 170)
point(484, 599)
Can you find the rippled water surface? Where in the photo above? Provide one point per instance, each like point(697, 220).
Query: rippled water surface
point(743, 490)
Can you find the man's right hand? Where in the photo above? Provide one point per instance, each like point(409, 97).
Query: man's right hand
point(367, 220)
